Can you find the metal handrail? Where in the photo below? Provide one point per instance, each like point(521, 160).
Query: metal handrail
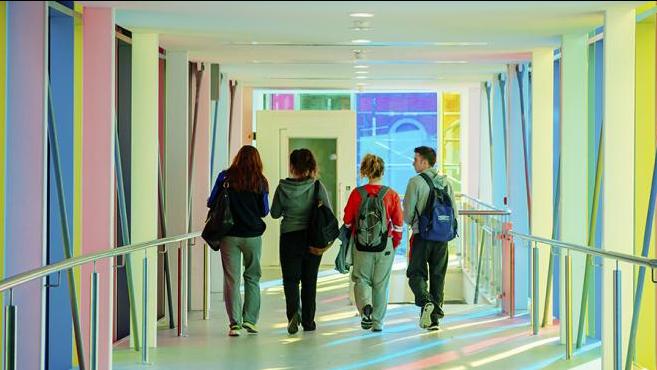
point(642, 261)
point(483, 212)
point(480, 202)
point(40, 272)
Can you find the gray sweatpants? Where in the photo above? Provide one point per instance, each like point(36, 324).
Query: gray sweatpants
point(232, 250)
point(371, 275)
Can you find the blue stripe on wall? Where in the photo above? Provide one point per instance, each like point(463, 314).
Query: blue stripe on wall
point(518, 192)
point(59, 345)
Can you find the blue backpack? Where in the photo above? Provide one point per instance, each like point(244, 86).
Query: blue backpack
point(437, 222)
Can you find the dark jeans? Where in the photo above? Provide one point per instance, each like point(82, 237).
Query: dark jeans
point(436, 256)
point(299, 265)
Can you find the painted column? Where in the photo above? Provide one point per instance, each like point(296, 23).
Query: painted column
point(574, 161)
point(486, 160)
point(26, 145)
point(200, 189)
point(618, 197)
point(472, 145)
point(236, 122)
point(219, 153)
point(541, 160)
point(144, 187)
point(98, 172)
point(247, 116)
point(645, 154)
point(176, 156)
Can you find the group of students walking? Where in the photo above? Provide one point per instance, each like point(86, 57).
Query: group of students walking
point(373, 217)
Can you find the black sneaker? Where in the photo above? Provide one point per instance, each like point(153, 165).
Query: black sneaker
point(309, 327)
point(434, 326)
point(293, 325)
point(438, 310)
point(366, 320)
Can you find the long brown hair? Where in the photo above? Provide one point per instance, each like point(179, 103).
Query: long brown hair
point(245, 174)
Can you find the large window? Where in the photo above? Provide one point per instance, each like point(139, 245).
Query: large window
point(391, 125)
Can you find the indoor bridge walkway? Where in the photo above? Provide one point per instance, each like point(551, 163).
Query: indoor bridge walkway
point(471, 337)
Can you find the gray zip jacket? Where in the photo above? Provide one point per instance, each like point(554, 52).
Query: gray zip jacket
point(293, 200)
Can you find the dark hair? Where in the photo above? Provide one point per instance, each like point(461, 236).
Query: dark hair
point(245, 174)
point(303, 164)
point(427, 153)
point(372, 166)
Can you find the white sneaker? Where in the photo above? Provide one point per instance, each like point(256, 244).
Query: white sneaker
point(234, 331)
point(425, 316)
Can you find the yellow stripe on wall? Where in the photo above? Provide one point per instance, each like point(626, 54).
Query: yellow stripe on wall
point(644, 157)
point(77, 152)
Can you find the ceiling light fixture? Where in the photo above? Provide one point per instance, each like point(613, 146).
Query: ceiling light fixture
point(360, 41)
point(361, 77)
point(361, 15)
point(362, 72)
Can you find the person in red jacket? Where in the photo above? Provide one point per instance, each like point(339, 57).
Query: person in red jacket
point(375, 216)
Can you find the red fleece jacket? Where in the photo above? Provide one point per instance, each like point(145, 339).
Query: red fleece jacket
point(393, 211)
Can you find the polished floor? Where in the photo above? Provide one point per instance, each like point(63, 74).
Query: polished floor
point(471, 337)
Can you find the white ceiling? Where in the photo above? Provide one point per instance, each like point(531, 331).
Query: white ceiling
point(309, 44)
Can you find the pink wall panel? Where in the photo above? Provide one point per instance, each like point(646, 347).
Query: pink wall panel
point(97, 169)
point(26, 138)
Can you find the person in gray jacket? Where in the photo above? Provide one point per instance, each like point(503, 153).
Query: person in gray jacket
point(425, 253)
point(293, 200)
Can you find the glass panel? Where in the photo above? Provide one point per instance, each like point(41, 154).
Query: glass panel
point(451, 138)
point(282, 101)
point(324, 151)
point(325, 101)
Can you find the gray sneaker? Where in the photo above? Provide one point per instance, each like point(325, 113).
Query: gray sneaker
point(425, 316)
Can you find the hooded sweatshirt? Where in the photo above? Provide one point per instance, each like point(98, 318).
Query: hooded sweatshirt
point(417, 194)
point(293, 200)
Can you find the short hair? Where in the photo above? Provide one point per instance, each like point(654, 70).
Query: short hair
point(372, 166)
point(427, 153)
point(303, 163)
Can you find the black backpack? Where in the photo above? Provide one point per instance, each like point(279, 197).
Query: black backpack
point(323, 228)
point(219, 220)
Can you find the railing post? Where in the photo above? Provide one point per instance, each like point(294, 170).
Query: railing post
point(180, 298)
point(10, 334)
point(618, 330)
point(144, 322)
point(93, 327)
point(508, 270)
point(206, 282)
point(569, 309)
point(535, 313)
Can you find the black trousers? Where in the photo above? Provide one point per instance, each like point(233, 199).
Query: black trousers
point(299, 266)
point(435, 256)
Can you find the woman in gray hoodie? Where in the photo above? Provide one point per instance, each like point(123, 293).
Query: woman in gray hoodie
point(293, 200)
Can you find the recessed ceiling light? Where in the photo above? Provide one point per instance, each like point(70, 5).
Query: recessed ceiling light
point(361, 77)
point(361, 41)
point(362, 72)
point(361, 15)
point(361, 66)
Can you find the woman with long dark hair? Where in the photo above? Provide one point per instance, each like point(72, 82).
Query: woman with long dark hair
point(248, 194)
point(293, 200)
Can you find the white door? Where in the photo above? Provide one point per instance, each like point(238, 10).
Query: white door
point(279, 132)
